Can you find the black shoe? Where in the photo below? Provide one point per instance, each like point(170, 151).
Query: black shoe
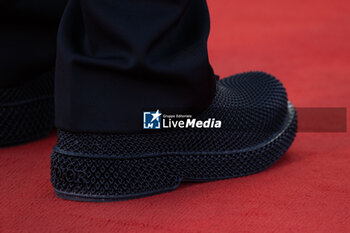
point(258, 125)
point(27, 110)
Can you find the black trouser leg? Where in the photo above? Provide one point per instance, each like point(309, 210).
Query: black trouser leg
point(27, 39)
point(118, 58)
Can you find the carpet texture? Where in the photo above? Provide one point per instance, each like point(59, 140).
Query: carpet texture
point(303, 43)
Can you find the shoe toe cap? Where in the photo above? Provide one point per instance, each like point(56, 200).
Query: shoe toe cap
point(252, 105)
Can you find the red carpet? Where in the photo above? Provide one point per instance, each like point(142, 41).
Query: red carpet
point(304, 43)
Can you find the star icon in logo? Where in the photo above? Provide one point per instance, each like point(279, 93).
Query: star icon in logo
point(156, 116)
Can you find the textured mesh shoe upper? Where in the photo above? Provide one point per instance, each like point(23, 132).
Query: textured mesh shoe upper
point(252, 107)
point(27, 111)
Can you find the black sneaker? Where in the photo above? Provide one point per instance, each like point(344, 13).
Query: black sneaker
point(258, 125)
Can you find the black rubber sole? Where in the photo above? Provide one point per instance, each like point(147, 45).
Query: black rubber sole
point(27, 112)
point(101, 179)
